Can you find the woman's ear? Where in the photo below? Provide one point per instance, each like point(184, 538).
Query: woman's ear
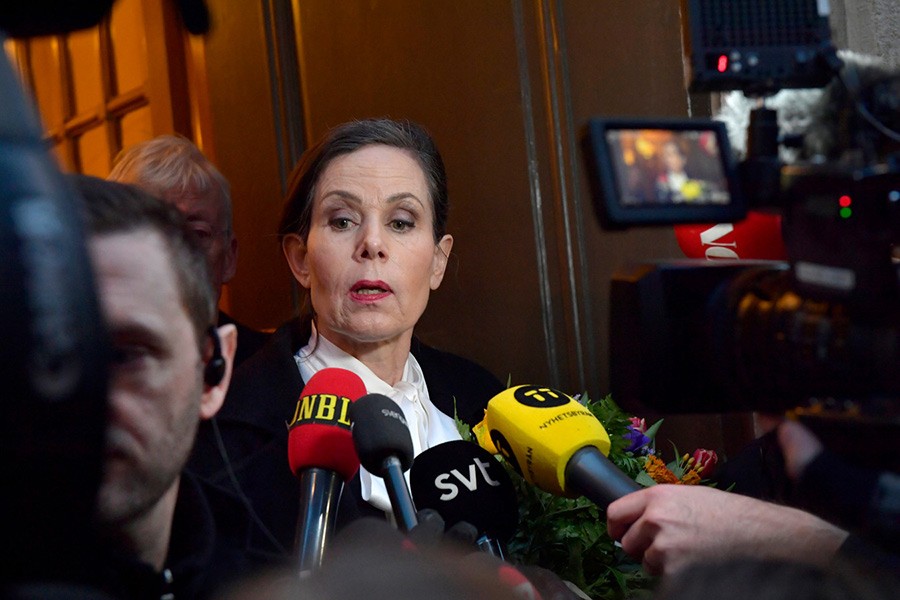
point(294, 248)
point(439, 264)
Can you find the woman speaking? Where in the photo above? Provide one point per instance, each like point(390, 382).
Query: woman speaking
point(363, 231)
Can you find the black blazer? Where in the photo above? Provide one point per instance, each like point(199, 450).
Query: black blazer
point(251, 430)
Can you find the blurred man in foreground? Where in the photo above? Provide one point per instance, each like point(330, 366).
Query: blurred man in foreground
point(170, 368)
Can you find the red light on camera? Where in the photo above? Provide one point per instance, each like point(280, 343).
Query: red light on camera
point(722, 63)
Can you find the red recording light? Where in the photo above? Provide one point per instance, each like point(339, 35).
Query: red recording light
point(722, 63)
point(845, 201)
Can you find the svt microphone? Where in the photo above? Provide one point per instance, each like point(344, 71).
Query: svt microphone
point(322, 456)
point(464, 482)
point(554, 442)
point(385, 449)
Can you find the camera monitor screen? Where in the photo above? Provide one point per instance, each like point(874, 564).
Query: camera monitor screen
point(662, 172)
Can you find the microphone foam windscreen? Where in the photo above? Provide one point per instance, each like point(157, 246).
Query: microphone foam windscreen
point(538, 429)
point(379, 431)
point(319, 434)
point(463, 482)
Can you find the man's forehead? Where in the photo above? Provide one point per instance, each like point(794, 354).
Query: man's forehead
point(194, 205)
point(134, 271)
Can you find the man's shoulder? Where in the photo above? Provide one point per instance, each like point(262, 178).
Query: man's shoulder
point(212, 526)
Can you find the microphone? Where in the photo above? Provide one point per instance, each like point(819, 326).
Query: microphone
point(757, 237)
point(554, 442)
point(321, 455)
point(465, 483)
point(385, 448)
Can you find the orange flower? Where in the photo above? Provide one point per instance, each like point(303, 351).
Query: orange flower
point(691, 477)
point(658, 470)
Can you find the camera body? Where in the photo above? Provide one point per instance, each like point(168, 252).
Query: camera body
point(821, 329)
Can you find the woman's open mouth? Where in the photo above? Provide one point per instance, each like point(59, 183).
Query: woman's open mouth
point(370, 291)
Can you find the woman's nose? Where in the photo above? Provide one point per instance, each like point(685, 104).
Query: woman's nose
point(371, 243)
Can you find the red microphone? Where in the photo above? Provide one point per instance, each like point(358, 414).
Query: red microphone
point(756, 237)
point(322, 456)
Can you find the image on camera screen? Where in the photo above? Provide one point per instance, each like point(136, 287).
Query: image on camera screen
point(662, 171)
point(663, 167)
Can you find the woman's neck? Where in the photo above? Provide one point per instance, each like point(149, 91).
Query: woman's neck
point(386, 358)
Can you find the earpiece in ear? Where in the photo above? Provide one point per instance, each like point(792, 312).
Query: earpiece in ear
point(214, 370)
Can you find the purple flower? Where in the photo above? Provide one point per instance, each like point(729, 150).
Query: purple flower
point(639, 443)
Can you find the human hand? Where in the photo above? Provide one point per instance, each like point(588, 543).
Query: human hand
point(799, 446)
point(668, 527)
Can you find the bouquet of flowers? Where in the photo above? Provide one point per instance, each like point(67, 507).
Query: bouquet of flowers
point(568, 536)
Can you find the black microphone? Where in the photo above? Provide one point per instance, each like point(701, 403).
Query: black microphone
point(385, 449)
point(465, 483)
point(51, 17)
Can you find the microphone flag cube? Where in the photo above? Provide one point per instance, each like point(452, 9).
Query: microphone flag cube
point(538, 429)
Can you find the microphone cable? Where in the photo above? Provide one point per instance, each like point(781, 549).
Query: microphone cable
point(220, 443)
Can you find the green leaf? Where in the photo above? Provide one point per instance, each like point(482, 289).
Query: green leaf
point(644, 479)
point(651, 431)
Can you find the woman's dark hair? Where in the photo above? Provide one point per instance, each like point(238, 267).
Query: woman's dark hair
point(348, 138)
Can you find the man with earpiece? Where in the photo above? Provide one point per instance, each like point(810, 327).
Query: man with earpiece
point(161, 533)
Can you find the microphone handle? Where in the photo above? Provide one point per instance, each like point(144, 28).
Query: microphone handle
point(398, 492)
point(594, 476)
point(320, 494)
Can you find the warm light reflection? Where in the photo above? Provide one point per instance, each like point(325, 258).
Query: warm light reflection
point(15, 54)
point(12, 51)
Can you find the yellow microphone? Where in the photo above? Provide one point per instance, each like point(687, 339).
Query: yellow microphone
point(554, 442)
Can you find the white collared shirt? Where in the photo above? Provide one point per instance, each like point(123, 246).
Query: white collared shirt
point(428, 426)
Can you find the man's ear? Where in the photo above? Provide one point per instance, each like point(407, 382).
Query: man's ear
point(294, 248)
point(230, 266)
point(439, 263)
point(214, 395)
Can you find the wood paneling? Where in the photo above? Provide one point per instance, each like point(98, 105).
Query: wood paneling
point(243, 140)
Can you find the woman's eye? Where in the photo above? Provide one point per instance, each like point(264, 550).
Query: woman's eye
point(401, 225)
point(341, 223)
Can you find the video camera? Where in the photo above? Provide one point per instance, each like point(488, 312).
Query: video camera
point(818, 333)
point(55, 350)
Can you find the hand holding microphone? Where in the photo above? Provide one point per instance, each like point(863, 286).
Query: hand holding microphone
point(322, 456)
point(554, 442)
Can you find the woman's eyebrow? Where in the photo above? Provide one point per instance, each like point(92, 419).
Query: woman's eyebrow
point(353, 198)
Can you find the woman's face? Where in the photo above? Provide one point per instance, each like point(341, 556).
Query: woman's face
point(370, 260)
point(672, 158)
